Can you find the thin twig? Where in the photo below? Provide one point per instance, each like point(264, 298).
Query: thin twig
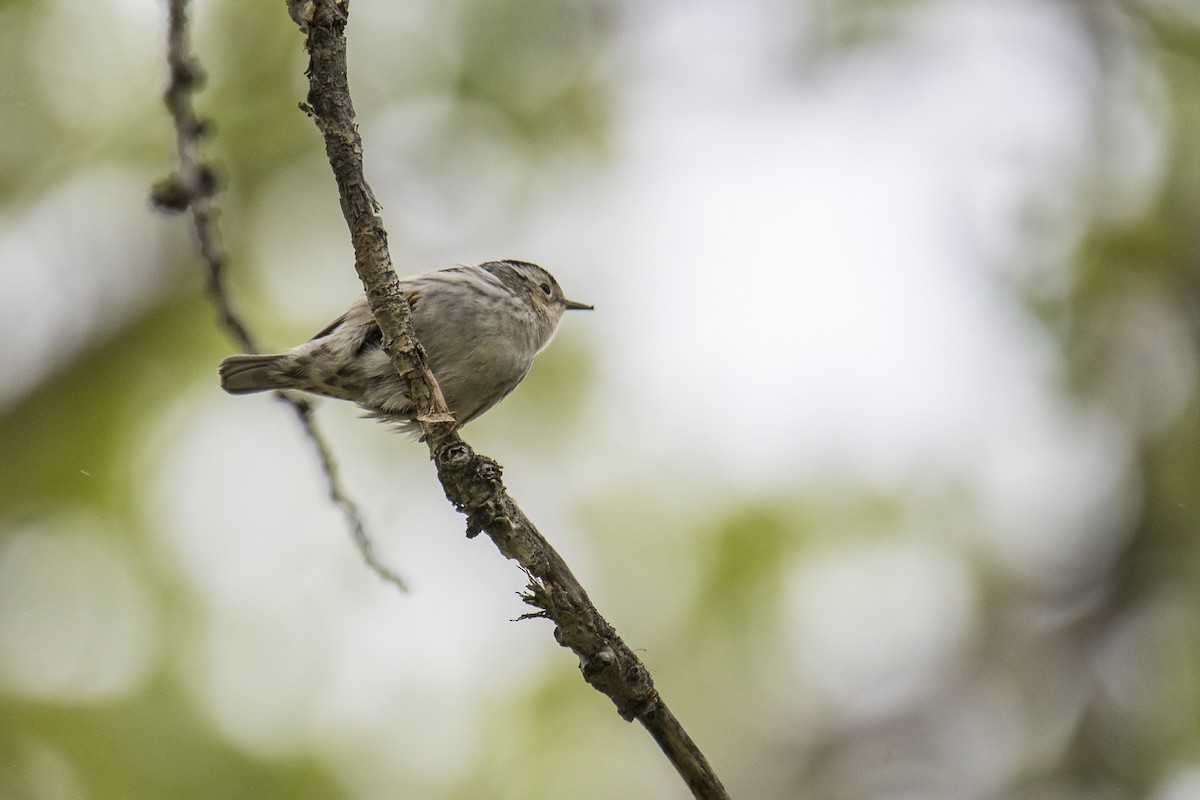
point(358, 531)
point(191, 188)
point(472, 482)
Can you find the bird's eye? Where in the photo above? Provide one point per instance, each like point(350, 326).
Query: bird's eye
point(545, 287)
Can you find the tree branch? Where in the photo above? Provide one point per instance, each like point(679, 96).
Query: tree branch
point(473, 482)
point(191, 188)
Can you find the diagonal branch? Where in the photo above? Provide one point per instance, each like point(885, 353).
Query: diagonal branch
point(472, 482)
point(191, 188)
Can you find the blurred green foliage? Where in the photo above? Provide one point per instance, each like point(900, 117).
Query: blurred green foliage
point(546, 69)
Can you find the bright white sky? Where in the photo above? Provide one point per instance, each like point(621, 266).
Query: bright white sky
point(798, 280)
point(835, 251)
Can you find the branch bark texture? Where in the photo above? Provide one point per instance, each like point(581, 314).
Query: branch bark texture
point(191, 188)
point(472, 482)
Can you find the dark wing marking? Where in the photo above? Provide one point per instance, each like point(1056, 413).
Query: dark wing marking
point(330, 328)
point(372, 337)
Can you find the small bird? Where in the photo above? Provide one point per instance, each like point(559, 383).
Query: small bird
point(480, 326)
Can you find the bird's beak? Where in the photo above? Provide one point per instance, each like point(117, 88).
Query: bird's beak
point(576, 306)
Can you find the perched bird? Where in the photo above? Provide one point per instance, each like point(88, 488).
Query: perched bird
point(480, 326)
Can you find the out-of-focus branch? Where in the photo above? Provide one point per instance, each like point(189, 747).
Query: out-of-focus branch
point(472, 482)
point(191, 188)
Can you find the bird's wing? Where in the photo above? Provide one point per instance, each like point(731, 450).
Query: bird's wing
point(359, 316)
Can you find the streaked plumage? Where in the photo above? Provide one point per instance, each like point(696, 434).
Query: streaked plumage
point(480, 326)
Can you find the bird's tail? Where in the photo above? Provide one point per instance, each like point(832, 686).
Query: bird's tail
point(248, 374)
